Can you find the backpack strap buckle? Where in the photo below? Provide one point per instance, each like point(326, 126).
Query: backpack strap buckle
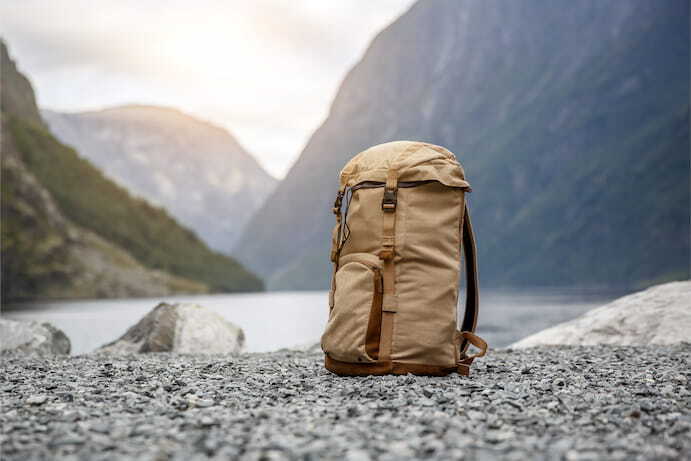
point(388, 203)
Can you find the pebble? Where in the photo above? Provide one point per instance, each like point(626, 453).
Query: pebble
point(37, 400)
point(574, 403)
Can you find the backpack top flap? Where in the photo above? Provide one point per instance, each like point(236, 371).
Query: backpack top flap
point(414, 161)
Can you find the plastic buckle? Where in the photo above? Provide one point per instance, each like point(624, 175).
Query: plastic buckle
point(388, 203)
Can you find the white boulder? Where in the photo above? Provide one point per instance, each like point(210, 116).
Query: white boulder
point(658, 315)
point(26, 337)
point(181, 328)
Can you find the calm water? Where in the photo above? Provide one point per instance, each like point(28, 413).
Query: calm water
point(286, 319)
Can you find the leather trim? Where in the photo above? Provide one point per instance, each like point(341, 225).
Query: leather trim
point(476, 341)
point(386, 368)
point(374, 324)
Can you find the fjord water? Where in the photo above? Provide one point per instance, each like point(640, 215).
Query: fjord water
point(276, 320)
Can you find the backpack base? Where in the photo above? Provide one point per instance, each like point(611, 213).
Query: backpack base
point(393, 368)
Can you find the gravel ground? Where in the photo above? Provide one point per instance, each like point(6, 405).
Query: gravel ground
point(544, 403)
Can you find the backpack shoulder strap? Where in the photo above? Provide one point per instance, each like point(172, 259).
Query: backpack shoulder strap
point(472, 300)
point(472, 297)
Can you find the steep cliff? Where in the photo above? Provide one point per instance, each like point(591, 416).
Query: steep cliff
point(572, 124)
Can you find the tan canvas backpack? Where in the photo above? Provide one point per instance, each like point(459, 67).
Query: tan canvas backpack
point(396, 250)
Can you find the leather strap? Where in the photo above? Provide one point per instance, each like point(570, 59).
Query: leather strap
point(472, 297)
point(476, 341)
point(463, 366)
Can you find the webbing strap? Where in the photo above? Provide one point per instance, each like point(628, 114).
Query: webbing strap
point(386, 338)
point(389, 216)
point(386, 254)
point(472, 297)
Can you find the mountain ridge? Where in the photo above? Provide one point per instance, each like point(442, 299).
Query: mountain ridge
point(68, 232)
point(161, 153)
point(558, 115)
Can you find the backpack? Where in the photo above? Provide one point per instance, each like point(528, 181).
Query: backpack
point(396, 250)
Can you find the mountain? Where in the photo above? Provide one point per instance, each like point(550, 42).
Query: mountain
point(69, 232)
point(572, 123)
point(195, 170)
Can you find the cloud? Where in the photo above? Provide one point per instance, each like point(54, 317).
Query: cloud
point(265, 69)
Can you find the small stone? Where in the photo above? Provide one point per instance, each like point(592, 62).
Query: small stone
point(357, 455)
point(37, 400)
point(495, 436)
point(69, 439)
point(204, 403)
point(425, 402)
point(100, 427)
point(207, 421)
point(71, 416)
point(476, 415)
point(143, 429)
point(120, 432)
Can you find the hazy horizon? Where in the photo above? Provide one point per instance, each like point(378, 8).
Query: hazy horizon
point(217, 61)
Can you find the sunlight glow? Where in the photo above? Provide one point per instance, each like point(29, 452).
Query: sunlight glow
point(266, 70)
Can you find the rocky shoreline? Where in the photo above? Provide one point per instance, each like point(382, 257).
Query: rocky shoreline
point(575, 403)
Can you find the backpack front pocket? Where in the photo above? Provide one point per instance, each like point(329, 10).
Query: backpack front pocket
point(354, 328)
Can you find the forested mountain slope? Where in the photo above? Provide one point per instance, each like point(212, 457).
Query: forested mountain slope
point(197, 171)
point(69, 232)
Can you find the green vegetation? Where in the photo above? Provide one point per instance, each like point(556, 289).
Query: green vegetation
point(34, 253)
point(94, 202)
point(40, 257)
point(590, 184)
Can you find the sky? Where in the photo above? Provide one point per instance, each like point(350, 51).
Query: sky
point(267, 70)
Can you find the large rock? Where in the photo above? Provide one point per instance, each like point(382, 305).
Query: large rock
point(32, 338)
point(658, 315)
point(181, 328)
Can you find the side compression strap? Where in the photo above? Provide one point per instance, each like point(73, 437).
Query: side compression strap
point(472, 296)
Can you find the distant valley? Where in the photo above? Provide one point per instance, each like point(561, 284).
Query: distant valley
point(195, 170)
point(70, 232)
